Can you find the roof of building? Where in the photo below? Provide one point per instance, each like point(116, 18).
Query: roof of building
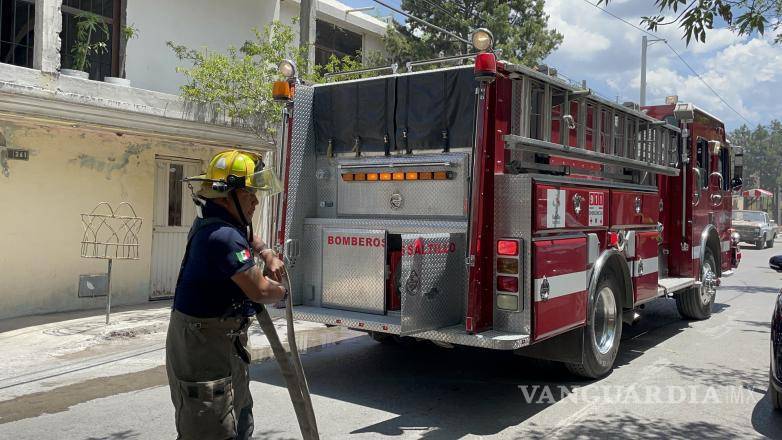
point(342, 12)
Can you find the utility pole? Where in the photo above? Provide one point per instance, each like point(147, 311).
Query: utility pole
point(645, 43)
point(307, 32)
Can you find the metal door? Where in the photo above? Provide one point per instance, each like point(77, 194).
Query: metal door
point(173, 215)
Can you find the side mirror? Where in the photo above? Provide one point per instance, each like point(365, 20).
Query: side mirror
point(775, 263)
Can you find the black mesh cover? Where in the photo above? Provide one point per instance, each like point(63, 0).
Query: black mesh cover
point(436, 110)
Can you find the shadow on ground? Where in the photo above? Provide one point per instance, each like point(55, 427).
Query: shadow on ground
point(451, 393)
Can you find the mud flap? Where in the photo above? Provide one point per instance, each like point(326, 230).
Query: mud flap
point(433, 281)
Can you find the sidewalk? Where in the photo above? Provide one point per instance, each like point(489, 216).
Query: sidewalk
point(49, 351)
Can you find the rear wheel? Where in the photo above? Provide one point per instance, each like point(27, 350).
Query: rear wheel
point(383, 338)
point(776, 396)
point(696, 302)
point(603, 331)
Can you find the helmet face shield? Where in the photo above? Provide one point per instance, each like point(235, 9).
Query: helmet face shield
point(265, 182)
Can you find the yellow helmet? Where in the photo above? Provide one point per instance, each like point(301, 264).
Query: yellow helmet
point(237, 169)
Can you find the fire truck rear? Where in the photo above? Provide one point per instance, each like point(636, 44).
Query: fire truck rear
point(496, 206)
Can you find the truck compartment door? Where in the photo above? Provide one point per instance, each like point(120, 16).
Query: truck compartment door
point(560, 285)
point(645, 265)
point(354, 270)
point(433, 281)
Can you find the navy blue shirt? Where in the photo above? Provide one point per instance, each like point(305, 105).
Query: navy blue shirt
point(218, 251)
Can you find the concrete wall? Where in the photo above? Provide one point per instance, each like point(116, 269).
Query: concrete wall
point(204, 23)
point(193, 23)
point(69, 172)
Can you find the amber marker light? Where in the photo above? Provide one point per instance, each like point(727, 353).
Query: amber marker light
point(385, 177)
point(399, 175)
point(347, 177)
point(411, 176)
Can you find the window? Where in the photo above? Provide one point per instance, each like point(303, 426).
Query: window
point(176, 174)
point(536, 110)
point(334, 40)
point(102, 65)
point(702, 154)
point(17, 32)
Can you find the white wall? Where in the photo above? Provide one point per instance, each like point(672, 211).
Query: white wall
point(193, 23)
point(206, 23)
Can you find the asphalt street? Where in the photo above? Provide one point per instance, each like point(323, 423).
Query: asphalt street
point(674, 379)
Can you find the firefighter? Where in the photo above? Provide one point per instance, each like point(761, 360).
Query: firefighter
point(206, 356)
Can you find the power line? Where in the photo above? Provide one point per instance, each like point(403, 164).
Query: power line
point(698, 75)
point(423, 22)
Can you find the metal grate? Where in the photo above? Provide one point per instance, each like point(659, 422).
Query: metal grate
point(100, 65)
point(111, 234)
point(17, 32)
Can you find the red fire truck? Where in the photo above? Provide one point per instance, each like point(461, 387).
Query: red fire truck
point(495, 206)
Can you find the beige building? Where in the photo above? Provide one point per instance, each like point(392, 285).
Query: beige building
point(69, 143)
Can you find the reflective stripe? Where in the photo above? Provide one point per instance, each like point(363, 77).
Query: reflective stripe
point(696, 252)
point(561, 285)
point(725, 246)
point(649, 266)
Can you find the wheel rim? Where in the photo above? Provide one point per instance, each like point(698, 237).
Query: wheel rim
point(604, 320)
point(709, 283)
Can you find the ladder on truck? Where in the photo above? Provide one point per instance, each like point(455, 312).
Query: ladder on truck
point(546, 110)
point(551, 117)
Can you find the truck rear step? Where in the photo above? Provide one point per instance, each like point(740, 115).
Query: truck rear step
point(673, 285)
point(454, 334)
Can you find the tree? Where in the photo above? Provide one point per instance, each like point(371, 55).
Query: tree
point(238, 83)
point(695, 17)
point(762, 155)
point(519, 28)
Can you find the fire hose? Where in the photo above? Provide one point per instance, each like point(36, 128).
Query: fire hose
point(290, 364)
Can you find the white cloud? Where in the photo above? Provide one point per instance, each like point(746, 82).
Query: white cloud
point(746, 72)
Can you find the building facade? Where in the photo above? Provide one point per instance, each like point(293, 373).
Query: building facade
point(67, 144)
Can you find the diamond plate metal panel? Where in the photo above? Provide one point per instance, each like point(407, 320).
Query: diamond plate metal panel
point(354, 269)
point(311, 258)
point(393, 226)
point(433, 281)
point(493, 339)
point(301, 196)
point(513, 218)
point(326, 177)
point(422, 198)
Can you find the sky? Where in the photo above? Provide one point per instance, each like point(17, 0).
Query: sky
point(745, 71)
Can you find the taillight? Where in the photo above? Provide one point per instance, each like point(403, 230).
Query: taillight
point(613, 239)
point(508, 247)
point(507, 284)
point(508, 266)
point(508, 269)
point(485, 67)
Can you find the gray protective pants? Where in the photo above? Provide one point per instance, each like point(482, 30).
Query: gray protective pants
point(208, 377)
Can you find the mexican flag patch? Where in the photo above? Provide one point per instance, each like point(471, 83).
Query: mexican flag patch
point(243, 255)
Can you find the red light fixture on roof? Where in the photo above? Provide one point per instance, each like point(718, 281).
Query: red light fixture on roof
point(485, 61)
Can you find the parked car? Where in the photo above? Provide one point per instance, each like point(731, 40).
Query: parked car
point(754, 227)
point(775, 371)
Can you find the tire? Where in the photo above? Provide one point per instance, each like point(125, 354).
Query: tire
point(770, 243)
point(383, 338)
point(760, 243)
point(774, 395)
point(696, 302)
point(603, 331)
